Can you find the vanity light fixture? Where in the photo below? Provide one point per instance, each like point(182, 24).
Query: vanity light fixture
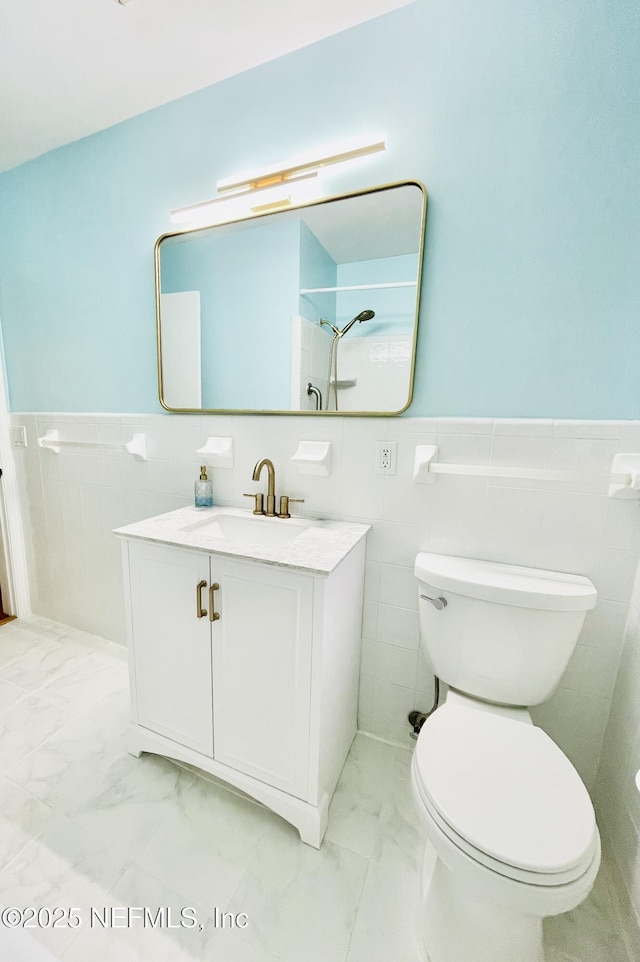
point(233, 206)
point(272, 188)
point(305, 165)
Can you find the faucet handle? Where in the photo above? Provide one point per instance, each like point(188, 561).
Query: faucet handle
point(259, 505)
point(284, 505)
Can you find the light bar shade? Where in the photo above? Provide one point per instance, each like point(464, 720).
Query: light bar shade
point(308, 163)
point(232, 207)
point(270, 188)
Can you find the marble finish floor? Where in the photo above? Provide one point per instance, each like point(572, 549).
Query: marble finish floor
point(84, 825)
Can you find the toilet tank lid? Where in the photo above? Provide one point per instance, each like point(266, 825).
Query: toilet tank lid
point(506, 584)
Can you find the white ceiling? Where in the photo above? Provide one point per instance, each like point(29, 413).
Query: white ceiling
point(71, 67)
point(370, 226)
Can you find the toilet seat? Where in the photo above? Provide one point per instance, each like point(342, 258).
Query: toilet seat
point(502, 868)
point(505, 794)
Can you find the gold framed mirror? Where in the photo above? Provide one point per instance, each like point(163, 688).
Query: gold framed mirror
point(308, 310)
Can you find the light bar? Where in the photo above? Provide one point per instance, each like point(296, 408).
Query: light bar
point(311, 161)
point(271, 188)
point(233, 206)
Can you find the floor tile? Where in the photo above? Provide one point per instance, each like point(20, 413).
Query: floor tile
point(76, 764)
point(62, 867)
point(45, 626)
point(235, 945)
point(43, 663)
point(22, 818)
point(207, 843)
point(387, 920)
point(589, 933)
point(171, 931)
point(19, 945)
point(85, 824)
point(84, 639)
point(301, 903)
point(18, 641)
point(24, 727)
point(134, 807)
point(9, 694)
point(113, 711)
point(365, 786)
point(79, 690)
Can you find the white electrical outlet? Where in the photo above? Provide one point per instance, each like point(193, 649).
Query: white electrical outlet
point(386, 457)
point(19, 437)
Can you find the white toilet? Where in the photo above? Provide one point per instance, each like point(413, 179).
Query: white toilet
point(511, 831)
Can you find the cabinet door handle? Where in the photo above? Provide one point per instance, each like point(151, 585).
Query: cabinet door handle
point(200, 611)
point(213, 614)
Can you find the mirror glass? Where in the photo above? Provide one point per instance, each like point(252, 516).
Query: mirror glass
point(309, 309)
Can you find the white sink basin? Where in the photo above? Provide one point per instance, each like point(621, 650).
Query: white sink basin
point(250, 529)
point(315, 545)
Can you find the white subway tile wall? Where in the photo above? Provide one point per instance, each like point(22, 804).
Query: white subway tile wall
point(380, 368)
point(616, 795)
point(72, 501)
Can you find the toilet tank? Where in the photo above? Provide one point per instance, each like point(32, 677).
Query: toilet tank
point(506, 632)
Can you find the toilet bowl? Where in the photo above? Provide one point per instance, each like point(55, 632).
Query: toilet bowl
point(510, 829)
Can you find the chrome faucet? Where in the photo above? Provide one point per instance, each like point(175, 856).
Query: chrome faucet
point(271, 487)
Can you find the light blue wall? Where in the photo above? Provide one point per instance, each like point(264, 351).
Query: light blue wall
point(247, 321)
point(395, 307)
point(520, 118)
point(317, 269)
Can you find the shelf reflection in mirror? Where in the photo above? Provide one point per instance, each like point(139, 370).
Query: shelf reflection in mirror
point(310, 310)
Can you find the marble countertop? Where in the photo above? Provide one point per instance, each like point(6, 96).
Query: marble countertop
point(318, 548)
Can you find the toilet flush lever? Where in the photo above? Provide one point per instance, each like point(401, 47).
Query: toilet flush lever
point(438, 603)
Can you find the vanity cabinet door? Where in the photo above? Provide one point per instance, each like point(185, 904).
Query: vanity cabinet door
point(171, 645)
point(262, 646)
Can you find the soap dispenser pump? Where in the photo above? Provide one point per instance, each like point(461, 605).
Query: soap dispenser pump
point(204, 489)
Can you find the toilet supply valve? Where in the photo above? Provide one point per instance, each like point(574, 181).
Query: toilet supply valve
point(417, 718)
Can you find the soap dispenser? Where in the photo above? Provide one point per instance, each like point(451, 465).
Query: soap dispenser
point(204, 489)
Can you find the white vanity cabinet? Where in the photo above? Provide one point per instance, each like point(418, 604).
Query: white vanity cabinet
point(170, 652)
point(262, 649)
point(247, 670)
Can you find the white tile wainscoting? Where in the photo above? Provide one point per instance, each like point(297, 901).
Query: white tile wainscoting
point(616, 795)
point(73, 500)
